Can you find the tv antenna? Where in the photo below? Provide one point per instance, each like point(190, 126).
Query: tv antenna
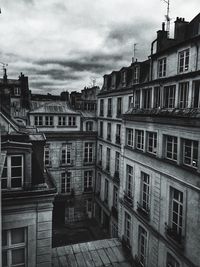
point(167, 15)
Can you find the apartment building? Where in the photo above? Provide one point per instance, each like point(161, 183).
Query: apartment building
point(28, 193)
point(114, 100)
point(157, 142)
point(69, 156)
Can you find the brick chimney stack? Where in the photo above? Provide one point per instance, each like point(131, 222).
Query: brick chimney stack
point(180, 29)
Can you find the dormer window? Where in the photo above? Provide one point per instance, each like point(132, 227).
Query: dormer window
point(17, 91)
point(136, 74)
point(162, 67)
point(124, 78)
point(105, 82)
point(13, 172)
point(113, 80)
point(183, 60)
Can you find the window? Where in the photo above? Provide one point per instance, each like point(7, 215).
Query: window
point(117, 161)
point(13, 172)
point(66, 155)
point(118, 134)
point(183, 94)
point(88, 153)
point(89, 126)
point(101, 107)
point(17, 91)
point(48, 120)
point(156, 97)
point(152, 142)
point(137, 99)
point(100, 154)
point(142, 246)
point(136, 74)
point(171, 147)
point(115, 197)
point(162, 67)
point(14, 247)
point(169, 96)
point(171, 261)
point(145, 195)
point(61, 120)
point(190, 153)
point(119, 106)
point(147, 98)
point(195, 94)
point(129, 181)
point(98, 183)
point(124, 77)
point(130, 101)
point(114, 230)
point(183, 60)
point(139, 139)
point(127, 228)
point(106, 191)
point(38, 120)
point(109, 114)
point(47, 161)
point(176, 214)
point(101, 129)
point(109, 131)
point(129, 137)
point(71, 121)
point(108, 160)
point(66, 182)
point(113, 81)
point(88, 177)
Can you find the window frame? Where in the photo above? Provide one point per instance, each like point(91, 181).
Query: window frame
point(162, 67)
point(154, 145)
point(192, 159)
point(183, 60)
point(66, 183)
point(139, 139)
point(174, 145)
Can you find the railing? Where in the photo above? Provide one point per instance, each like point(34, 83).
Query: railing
point(128, 200)
point(118, 139)
point(145, 212)
point(174, 235)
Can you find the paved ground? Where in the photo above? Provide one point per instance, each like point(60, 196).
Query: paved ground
point(78, 232)
point(107, 252)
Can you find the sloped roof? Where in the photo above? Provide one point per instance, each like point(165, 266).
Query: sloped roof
point(55, 108)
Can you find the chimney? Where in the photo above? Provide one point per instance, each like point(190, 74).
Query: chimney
point(180, 29)
point(162, 36)
point(5, 78)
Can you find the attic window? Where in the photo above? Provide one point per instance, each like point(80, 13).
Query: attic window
point(123, 77)
point(136, 74)
point(17, 91)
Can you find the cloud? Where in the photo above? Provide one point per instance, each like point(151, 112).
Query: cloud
point(62, 44)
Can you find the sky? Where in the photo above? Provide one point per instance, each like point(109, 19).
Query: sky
point(69, 44)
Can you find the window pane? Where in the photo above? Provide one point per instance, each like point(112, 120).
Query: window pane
point(16, 161)
point(18, 256)
point(4, 259)
point(17, 236)
point(16, 182)
point(16, 172)
point(4, 238)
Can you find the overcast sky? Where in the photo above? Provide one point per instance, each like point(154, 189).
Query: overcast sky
point(65, 44)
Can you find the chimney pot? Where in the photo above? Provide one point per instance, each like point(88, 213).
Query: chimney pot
point(163, 26)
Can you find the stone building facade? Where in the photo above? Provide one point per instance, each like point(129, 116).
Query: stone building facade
point(158, 185)
point(27, 197)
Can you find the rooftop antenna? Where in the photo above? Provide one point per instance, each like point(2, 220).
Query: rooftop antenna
point(167, 16)
point(134, 53)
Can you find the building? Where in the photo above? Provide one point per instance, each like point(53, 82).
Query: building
point(28, 193)
point(69, 156)
point(156, 143)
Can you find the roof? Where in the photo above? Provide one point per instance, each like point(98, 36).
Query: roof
point(55, 108)
point(107, 252)
point(88, 114)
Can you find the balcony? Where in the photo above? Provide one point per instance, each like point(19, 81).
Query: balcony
point(114, 212)
point(174, 236)
point(145, 212)
point(118, 139)
point(128, 200)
